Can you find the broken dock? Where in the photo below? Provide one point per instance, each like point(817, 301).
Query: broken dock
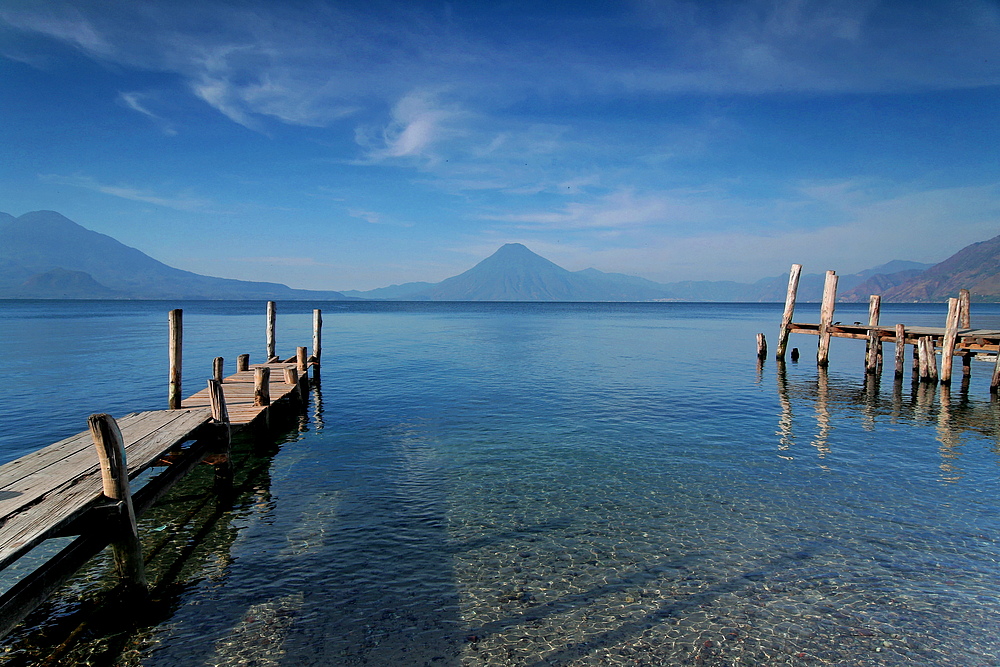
point(80, 486)
point(956, 339)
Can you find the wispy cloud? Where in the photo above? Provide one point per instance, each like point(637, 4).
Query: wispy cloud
point(138, 102)
point(181, 203)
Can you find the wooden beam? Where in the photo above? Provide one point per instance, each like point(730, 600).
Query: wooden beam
point(786, 319)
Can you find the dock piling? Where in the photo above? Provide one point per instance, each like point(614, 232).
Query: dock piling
point(950, 337)
point(964, 299)
point(301, 359)
point(317, 336)
point(786, 318)
point(761, 346)
point(271, 325)
point(218, 369)
point(242, 363)
point(176, 326)
point(826, 318)
point(114, 475)
point(261, 390)
point(900, 349)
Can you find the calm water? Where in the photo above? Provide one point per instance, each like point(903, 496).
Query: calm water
point(529, 484)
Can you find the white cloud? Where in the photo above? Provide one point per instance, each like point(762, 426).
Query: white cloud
point(125, 192)
point(138, 102)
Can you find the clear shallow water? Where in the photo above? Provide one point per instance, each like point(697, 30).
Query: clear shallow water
point(558, 484)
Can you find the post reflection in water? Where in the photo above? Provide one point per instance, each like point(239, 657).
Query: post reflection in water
point(955, 417)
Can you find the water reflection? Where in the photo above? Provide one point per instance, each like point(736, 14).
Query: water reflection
point(955, 417)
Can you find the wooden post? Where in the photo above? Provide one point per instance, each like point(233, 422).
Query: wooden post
point(761, 346)
point(242, 363)
point(302, 360)
point(217, 369)
point(786, 319)
point(965, 299)
point(826, 318)
point(950, 336)
point(317, 336)
point(220, 412)
point(900, 349)
point(271, 324)
point(114, 474)
point(261, 390)
point(223, 462)
point(995, 381)
point(928, 362)
point(175, 347)
point(874, 347)
point(291, 375)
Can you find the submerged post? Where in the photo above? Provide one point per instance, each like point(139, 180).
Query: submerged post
point(271, 323)
point(114, 475)
point(242, 363)
point(826, 318)
point(900, 349)
point(786, 319)
point(217, 369)
point(175, 320)
point(317, 336)
point(950, 336)
point(761, 346)
point(261, 388)
point(223, 462)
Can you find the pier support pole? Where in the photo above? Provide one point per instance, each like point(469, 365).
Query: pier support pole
point(826, 318)
point(317, 336)
point(271, 325)
point(301, 359)
point(995, 381)
point(220, 414)
point(242, 363)
point(176, 339)
point(873, 360)
point(261, 388)
point(761, 346)
point(965, 299)
point(950, 337)
point(786, 319)
point(114, 474)
point(217, 369)
point(900, 349)
point(928, 360)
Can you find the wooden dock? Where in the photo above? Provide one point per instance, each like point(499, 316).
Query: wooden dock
point(956, 339)
point(80, 486)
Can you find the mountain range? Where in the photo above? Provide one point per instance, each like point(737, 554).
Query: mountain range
point(45, 255)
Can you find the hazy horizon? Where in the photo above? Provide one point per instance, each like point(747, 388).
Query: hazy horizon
point(348, 146)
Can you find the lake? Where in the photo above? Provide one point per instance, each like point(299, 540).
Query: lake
point(533, 484)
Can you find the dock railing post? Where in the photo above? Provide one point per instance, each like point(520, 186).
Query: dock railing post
point(114, 474)
point(271, 325)
point(302, 361)
point(175, 353)
point(218, 369)
point(317, 336)
point(950, 337)
point(826, 318)
point(786, 318)
point(242, 363)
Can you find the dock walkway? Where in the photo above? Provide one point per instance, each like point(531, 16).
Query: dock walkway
point(63, 489)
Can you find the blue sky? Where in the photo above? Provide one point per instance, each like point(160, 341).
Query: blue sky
point(355, 145)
